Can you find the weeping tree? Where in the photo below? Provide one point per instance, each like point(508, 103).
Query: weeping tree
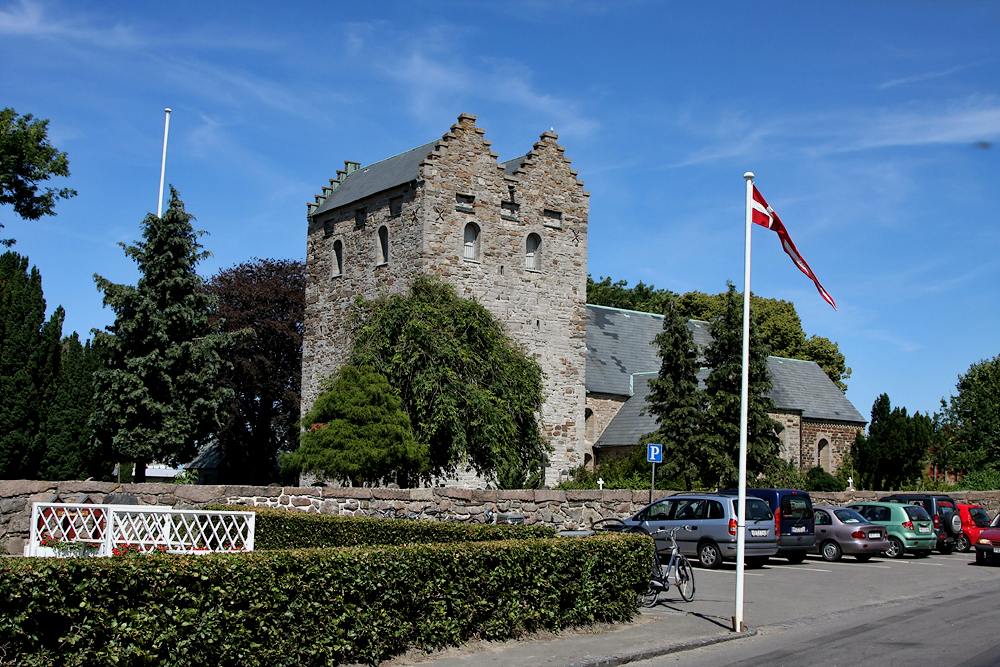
point(160, 392)
point(472, 394)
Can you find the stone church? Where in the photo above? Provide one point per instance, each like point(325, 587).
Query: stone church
point(513, 235)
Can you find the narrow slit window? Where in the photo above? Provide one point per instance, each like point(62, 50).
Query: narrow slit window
point(531, 254)
point(471, 247)
point(338, 258)
point(383, 246)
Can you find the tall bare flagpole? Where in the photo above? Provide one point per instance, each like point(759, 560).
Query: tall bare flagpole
point(741, 536)
point(163, 163)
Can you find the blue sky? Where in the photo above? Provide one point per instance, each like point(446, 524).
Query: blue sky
point(873, 130)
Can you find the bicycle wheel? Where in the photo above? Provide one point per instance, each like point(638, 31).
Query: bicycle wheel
point(685, 578)
point(651, 594)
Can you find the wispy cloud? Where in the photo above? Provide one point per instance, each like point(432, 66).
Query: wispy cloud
point(28, 19)
point(435, 75)
point(921, 77)
point(966, 121)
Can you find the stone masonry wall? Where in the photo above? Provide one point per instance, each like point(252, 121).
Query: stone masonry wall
point(840, 437)
point(563, 510)
point(790, 436)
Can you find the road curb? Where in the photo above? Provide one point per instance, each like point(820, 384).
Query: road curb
point(625, 658)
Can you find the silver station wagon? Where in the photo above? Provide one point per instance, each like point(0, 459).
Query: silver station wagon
point(712, 518)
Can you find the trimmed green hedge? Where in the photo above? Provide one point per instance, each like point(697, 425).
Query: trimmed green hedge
point(311, 606)
point(293, 529)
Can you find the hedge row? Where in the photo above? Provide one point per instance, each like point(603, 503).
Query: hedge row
point(292, 529)
point(312, 606)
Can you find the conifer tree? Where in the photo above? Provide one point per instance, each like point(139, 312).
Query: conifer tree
point(721, 431)
point(357, 432)
point(29, 363)
point(69, 449)
point(160, 393)
point(675, 401)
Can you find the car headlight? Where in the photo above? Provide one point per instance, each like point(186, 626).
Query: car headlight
point(983, 540)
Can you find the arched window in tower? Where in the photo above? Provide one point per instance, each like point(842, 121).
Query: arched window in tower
point(824, 456)
point(338, 258)
point(532, 247)
point(471, 247)
point(383, 246)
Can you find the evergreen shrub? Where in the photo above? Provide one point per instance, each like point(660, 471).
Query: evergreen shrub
point(310, 606)
point(278, 529)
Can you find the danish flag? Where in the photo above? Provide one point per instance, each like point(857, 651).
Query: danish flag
point(765, 216)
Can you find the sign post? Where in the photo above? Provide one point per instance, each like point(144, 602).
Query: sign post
point(654, 454)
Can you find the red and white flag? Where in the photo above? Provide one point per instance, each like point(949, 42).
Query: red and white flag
point(765, 216)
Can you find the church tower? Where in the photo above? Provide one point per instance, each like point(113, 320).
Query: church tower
point(511, 235)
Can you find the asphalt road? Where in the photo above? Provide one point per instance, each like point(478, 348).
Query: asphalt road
point(940, 611)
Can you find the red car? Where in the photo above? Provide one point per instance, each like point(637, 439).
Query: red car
point(988, 543)
point(974, 521)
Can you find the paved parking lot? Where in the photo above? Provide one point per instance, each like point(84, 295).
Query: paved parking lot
point(780, 593)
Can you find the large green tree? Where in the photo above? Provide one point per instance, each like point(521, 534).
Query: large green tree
point(970, 421)
point(721, 427)
point(357, 432)
point(472, 394)
point(777, 320)
point(676, 403)
point(29, 366)
point(891, 455)
point(161, 392)
point(26, 159)
point(268, 297)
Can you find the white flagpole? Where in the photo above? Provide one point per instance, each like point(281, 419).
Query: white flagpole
point(163, 163)
point(741, 537)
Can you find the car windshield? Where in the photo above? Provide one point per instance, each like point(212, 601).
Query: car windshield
point(979, 517)
point(757, 510)
point(917, 513)
point(849, 516)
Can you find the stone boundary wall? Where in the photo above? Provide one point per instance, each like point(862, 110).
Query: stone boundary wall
point(563, 510)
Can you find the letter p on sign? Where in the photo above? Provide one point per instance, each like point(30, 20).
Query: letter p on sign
point(654, 453)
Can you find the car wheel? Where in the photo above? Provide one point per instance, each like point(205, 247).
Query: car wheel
point(709, 556)
point(963, 543)
point(796, 557)
point(863, 558)
point(980, 557)
point(756, 562)
point(946, 549)
point(831, 551)
point(895, 549)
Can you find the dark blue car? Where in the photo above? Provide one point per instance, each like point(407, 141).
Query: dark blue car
point(793, 519)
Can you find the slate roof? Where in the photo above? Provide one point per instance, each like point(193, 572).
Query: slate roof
point(621, 361)
point(377, 177)
point(388, 173)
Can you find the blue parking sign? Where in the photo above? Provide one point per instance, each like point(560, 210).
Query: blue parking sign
point(654, 453)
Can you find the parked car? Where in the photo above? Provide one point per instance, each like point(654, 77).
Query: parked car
point(793, 521)
point(840, 531)
point(988, 543)
point(712, 516)
point(943, 511)
point(974, 521)
point(910, 527)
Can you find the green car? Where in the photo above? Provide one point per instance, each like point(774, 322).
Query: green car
point(910, 527)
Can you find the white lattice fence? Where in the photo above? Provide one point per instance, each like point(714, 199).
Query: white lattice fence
point(143, 528)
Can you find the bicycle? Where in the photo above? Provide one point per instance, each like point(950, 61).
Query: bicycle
point(677, 572)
